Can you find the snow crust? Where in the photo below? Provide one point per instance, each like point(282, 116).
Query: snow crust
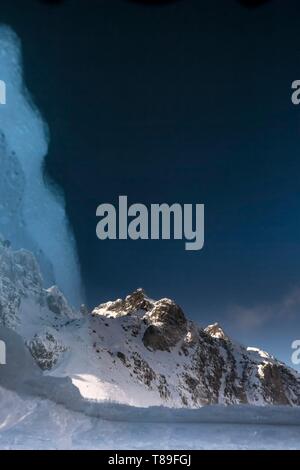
point(27, 423)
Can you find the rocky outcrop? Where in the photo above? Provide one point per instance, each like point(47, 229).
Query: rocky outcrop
point(58, 304)
point(133, 302)
point(216, 331)
point(26, 307)
point(167, 325)
point(46, 349)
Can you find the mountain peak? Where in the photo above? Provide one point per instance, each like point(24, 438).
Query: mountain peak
point(216, 331)
point(138, 300)
point(134, 302)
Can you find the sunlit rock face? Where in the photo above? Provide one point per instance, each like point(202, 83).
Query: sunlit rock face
point(32, 216)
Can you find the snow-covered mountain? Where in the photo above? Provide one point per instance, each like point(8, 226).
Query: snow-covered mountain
point(135, 351)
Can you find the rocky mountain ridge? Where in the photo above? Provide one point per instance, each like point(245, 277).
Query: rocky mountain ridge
point(135, 350)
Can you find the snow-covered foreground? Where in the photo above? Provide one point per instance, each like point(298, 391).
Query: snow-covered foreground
point(27, 423)
point(39, 411)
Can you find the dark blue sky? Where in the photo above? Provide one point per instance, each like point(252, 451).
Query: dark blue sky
point(184, 103)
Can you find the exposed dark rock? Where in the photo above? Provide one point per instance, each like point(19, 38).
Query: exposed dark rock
point(168, 326)
point(46, 350)
point(154, 339)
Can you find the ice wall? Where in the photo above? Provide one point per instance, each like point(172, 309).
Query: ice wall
point(31, 215)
